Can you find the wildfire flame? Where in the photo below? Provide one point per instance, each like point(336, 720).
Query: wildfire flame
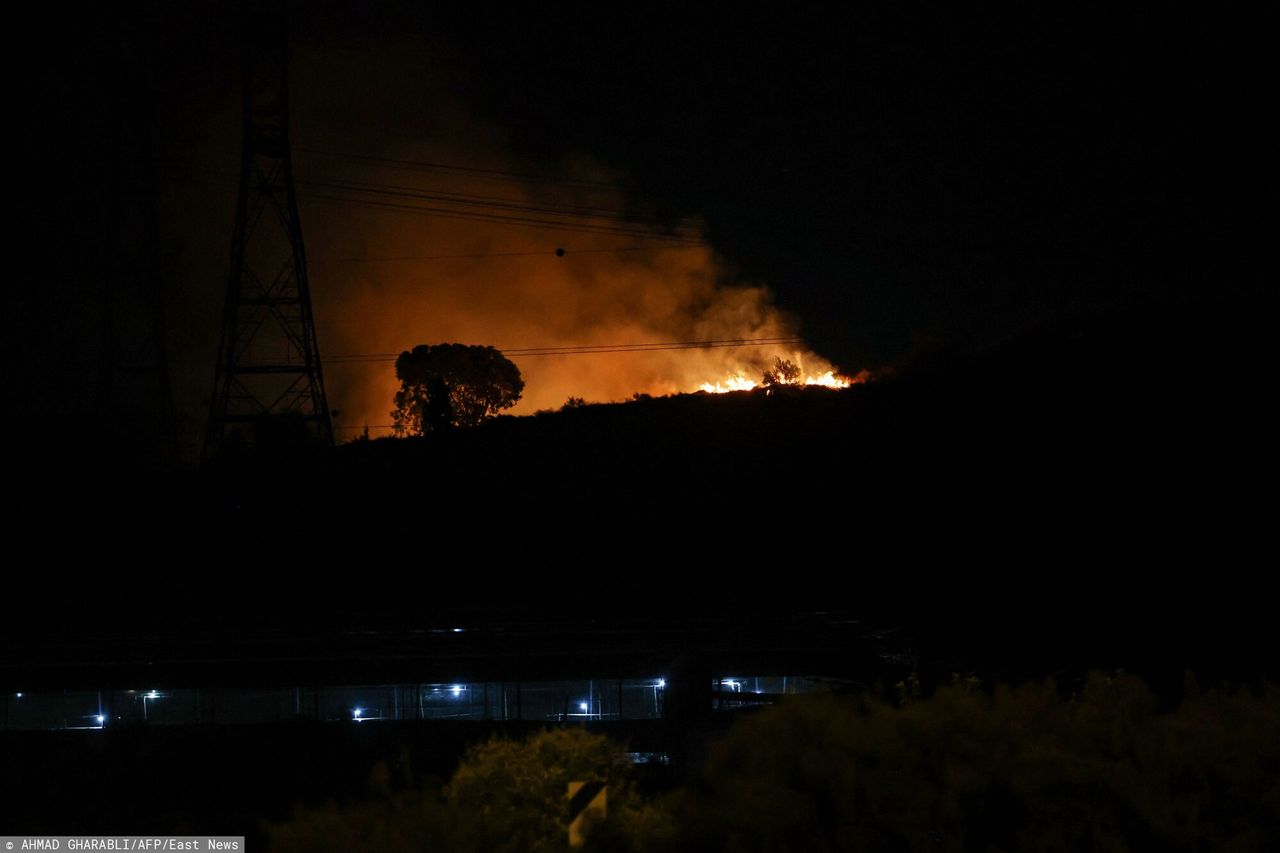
point(739, 382)
point(732, 383)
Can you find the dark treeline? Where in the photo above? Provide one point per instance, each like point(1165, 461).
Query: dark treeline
point(1094, 494)
point(963, 769)
point(1107, 764)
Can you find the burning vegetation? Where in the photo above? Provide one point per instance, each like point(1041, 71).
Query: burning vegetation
point(588, 293)
point(783, 372)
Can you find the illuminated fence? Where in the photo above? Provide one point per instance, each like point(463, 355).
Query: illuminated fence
point(542, 701)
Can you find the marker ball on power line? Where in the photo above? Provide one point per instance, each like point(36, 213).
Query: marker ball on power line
point(559, 253)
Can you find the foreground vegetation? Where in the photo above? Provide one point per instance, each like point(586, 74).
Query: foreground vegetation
point(1009, 768)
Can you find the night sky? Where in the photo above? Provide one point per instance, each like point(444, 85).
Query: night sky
point(880, 184)
point(889, 176)
point(1046, 231)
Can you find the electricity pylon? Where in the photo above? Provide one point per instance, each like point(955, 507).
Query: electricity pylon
point(268, 361)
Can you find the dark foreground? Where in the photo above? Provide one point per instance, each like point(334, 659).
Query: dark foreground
point(1104, 764)
point(1093, 495)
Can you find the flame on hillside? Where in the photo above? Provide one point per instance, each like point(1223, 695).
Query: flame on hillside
point(739, 382)
point(575, 281)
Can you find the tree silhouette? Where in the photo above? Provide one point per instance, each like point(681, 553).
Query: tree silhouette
point(452, 385)
point(783, 373)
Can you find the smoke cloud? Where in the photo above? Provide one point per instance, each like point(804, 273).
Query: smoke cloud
point(387, 157)
point(389, 279)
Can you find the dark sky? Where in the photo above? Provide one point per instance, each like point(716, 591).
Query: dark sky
point(957, 177)
point(896, 180)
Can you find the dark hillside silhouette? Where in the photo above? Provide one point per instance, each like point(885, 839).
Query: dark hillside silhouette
point(1091, 495)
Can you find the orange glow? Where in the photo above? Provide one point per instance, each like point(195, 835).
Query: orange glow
point(385, 281)
point(732, 383)
point(739, 382)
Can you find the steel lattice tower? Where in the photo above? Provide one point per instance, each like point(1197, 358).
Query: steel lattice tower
point(268, 361)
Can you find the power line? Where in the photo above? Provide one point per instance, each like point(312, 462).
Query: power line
point(474, 199)
point(558, 252)
point(503, 212)
point(673, 244)
point(431, 166)
point(596, 349)
point(449, 197)
point(660, 345)
point(502, 219)
point(468, 200)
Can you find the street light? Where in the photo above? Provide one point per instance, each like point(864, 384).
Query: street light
point(660, 684)
point(151, 694)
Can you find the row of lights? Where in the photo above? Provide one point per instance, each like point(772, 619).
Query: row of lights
point(357, 714)
point(101, 719)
